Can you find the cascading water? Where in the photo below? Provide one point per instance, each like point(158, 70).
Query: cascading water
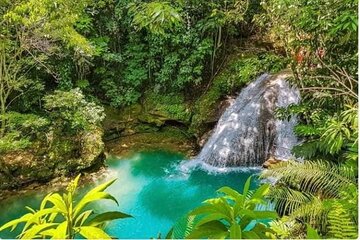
point(248, 132)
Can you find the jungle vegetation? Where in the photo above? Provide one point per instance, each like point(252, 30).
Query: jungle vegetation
point(63, 61)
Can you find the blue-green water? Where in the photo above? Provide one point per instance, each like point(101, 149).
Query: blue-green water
point(150, 187)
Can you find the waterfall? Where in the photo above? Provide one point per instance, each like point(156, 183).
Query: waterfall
point(248, 132)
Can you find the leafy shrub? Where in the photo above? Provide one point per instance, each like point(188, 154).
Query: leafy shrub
point(21, 129)
point(27, 123)
point(13, 141)
point(65, 217)
point(232, 215)
point(69, 108)
point(328, 136)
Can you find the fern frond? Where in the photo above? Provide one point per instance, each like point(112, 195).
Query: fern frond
point(315, 177)
point(307, 149)
point(314, 213)
point(287, 200)
point(341, 224)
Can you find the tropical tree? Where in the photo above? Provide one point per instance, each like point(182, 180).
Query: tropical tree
point(65, 217)
point(30, 33)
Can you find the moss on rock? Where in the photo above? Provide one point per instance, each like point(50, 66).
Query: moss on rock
point(61, 156)
point(169, 138)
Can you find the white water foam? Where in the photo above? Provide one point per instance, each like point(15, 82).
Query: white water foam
point(248, 132)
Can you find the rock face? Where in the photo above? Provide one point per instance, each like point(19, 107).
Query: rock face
point(248, 132)
point(63, 156)
point(271, 161)
point(148, 117)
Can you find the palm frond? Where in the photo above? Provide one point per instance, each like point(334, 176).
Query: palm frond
point(315, 177)
point(287, 200)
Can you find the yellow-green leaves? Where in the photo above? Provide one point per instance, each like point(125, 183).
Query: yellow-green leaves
point(92, 233)
point(13, 224)
point(95, 195)
point(233, 215)
point(61, 217)
point(47, 19)
point(235, 231)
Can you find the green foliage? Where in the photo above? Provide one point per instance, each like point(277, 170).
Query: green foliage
point(341, 224)
point(21, 129)
point(311, 233)
point(316, 193)
point(64, 217)
point(27, 123)
point(231, 215)
point(183, 227)
point(155, 16)
point(171, 106)
point(329, 24)
point(327, 136)
point(71, 109)
point(285, 228)
point(13, 141)
point(315, 177)
point(49, 19)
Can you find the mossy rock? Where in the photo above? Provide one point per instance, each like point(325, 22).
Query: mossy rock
point(168, 138)
point(64, 155)
point(151, 119)
point(159, 108)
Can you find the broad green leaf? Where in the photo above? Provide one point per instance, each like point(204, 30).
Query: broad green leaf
point(246, 186)
point(39, 215)
point(15, 222)
point(214, 229)
point(101, 187)
point(211, 217)
point(261, 191)
point(229, 191)
point(35, 231)
point(311, 233)
point(220, 205)
point(246, 212)
point(205, 209)
point(48, 233)
point(88, 198)
point(45, 200)
point(107, 216)
point(235, 231)
point(90, 232)
point(82, 218)
point(61, 231)
point(58, 202)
